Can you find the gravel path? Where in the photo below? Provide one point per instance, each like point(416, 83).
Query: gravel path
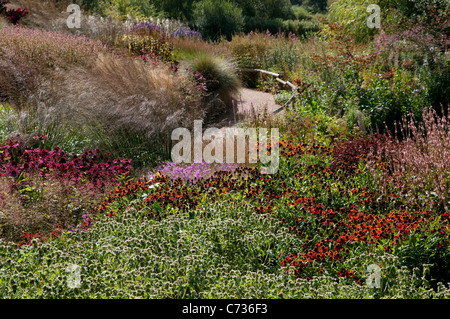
point(246, 100)
point(259, 100)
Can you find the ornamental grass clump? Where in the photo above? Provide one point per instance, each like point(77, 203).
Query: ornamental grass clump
point(221, 79)
point(418, 165)
point(29, 55)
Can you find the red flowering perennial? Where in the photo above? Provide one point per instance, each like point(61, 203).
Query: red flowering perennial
point(346, 227)
point(92, 166)
point(12, 15)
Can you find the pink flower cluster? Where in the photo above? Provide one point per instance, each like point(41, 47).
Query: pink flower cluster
point(194, 171)
point(47, 48)
point(92, 166)
point(419, 164)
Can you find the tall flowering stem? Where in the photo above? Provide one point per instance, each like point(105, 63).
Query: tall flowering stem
point(419, 164)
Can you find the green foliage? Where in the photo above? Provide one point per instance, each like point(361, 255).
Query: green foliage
point(316, 5)
point(261, 24)
point(415, 8)
point(300, 27)
point(394, 14)
point(176, 9)
point(121, 9)
point(8, 123)
point(180, 257)
point(301, 13)
point(266, 9)
point(353, 16)
point(309, 231)
point(147, 45)
point(228, 253)
point(217, 18)
point(430, 252)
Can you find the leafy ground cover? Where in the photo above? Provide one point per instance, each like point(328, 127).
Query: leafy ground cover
point(307, 232)
point(331, 222)
point(343, 203)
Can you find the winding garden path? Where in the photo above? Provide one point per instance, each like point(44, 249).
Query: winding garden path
point(246, 100)
point(259, 100)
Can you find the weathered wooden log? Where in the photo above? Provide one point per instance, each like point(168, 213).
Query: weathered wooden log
point(276, 75)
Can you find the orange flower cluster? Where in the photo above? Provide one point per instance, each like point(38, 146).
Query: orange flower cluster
point(344, 227)
point(127, 190)
point(289, 149)
point(28, 237)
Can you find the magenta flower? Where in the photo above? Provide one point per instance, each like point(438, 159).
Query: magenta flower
point(41, 137)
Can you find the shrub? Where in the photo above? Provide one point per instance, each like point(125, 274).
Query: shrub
point(390, 96)
point(352, 15)
point(260, 24)
point(300, 27)
point(148, 39)
point(315, 5)
point(217, 18)
point(301, 13)
point(122, 9)
point(250, 50)
point(410, 8)
point(395, 14)
point(348, 154)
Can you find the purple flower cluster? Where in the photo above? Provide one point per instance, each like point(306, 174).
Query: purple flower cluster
point(184, 32)
point(92, 166)
point(416, 40)
point(194, 171)
point(153, 28)
point(148, 27)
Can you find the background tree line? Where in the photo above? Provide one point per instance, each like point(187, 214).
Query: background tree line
point(221, 18)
